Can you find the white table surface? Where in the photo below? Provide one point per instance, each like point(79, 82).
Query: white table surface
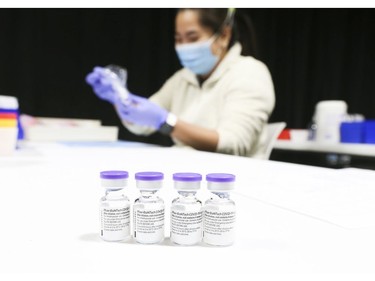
point(291, 219)
point(357, 149)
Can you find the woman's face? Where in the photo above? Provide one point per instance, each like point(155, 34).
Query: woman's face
point(188, 30)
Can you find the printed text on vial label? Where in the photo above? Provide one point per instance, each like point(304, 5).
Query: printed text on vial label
point(149, 221)
point(218, 223)
point(115, 219)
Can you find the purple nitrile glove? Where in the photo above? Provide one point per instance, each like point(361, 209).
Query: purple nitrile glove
point(141, 111)
point(106, 84)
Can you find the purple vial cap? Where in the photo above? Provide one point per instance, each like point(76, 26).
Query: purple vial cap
point(149, 176)
point(113, 175)
point(220, 177)
point(187, 177)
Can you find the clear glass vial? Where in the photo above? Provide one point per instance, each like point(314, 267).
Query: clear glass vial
point(149, 209)
point(186, 210)
point(114, 207)
point(120, 77)
point(219, 214)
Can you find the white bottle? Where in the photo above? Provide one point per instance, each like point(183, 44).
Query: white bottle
point(114, 207)
point(149, 209)
point(186, 210)
point(220, 211)
point(328, 117)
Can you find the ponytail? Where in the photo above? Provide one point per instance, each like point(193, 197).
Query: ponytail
point(243, 32)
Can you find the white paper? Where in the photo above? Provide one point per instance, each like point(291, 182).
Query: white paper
point(342, 197)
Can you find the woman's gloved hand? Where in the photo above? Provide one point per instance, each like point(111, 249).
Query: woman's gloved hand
point(130, 108)
point(105, 84)
point(141, 111)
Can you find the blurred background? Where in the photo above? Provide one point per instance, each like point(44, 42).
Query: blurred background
point(313, 55)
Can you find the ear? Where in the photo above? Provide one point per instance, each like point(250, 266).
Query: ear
point(225, 36)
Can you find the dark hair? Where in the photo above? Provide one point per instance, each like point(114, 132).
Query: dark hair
point(242, 29)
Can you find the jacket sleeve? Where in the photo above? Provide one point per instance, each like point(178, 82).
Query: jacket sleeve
point(162, 98)
point(249, 101)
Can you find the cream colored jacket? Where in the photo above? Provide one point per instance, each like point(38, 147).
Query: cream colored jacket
point(236, 101)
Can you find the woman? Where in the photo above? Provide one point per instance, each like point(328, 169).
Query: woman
point(220, 101)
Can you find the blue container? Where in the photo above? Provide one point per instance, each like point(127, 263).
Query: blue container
point(369, 131)
point(352, 132)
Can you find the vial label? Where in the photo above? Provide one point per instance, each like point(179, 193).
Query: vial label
point(115, 223)
point(219, 227)
point(186, 227)
point(148, 224)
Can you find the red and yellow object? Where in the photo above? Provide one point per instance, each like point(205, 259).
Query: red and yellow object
point(8, 122)
point(8, 115)
point(8, 119)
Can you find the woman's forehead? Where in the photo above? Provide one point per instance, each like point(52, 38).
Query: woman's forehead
point(187, 18)
point(188, 21)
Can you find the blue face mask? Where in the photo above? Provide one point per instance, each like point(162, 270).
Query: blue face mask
point(197, 57)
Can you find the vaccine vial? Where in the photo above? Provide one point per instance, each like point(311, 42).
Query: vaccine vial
point(114, 207)
point(149, 209)
point(186, 210)
point(219, 211)
point(120, 77)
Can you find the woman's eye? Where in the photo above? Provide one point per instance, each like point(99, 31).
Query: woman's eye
point(193, 39)
point(187, 38)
